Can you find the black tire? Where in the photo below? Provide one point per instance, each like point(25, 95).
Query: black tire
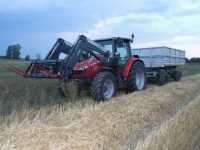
point(69, 89)
point(177, 75)
point(132, 79)
point(98, 85)
point(162, 77)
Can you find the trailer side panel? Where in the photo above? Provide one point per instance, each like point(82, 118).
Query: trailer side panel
point(160, 56)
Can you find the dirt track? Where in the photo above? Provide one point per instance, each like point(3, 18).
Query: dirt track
point(107, 125)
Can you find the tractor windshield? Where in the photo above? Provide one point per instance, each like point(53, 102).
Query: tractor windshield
point(107, 45)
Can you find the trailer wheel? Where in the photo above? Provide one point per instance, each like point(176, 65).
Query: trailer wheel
point(103, 86)
point(162, 77)
point(137, 78)
point(177, 75)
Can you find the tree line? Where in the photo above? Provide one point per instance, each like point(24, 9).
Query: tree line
point(14, 52)
point(193, 60)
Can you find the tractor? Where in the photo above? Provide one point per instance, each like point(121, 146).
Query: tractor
point(106, 65)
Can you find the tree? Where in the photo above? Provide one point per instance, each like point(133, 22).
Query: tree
point(195, 60)
point(27, 57)
point(13, 51)
point(187, 60)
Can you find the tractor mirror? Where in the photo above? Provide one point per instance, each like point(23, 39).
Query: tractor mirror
point(132, 37)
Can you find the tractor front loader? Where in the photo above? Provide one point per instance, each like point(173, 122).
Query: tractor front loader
point(49, 67)
point(106, 64)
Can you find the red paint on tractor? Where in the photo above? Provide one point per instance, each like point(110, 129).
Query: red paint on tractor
point(88, 68)
point(128, 66)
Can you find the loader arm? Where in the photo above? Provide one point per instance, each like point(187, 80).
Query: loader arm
point(61, 46)
point(49, 67)
point(52, 67)
point(82, 44)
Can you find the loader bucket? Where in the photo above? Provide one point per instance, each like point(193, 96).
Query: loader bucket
point(43, 69)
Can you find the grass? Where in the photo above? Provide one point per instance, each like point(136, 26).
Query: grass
point(190, 69)
point(33, 115)
point(18, 63)
point(17, 93)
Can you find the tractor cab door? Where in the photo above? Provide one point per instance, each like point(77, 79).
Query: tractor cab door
point(123, 49)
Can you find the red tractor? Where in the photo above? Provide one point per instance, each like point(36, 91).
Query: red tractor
point(106, 64)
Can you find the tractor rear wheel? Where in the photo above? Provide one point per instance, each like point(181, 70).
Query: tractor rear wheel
point(137, 78)
point(103, 86)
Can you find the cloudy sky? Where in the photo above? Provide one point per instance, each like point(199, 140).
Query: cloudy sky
point(36, 24)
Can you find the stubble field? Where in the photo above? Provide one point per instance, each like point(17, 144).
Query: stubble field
point(34, 116)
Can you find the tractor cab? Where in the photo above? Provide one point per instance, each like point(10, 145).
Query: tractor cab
point(117, 47)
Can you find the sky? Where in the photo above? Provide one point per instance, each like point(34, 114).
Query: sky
point(36, 24)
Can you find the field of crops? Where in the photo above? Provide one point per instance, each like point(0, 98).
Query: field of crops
point(33, 115)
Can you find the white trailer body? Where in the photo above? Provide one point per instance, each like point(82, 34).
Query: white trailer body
point(160, 56)
point(161, 62)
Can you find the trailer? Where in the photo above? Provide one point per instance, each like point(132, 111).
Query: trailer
point(161, 62)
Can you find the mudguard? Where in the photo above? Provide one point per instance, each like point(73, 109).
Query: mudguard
point(128, 65)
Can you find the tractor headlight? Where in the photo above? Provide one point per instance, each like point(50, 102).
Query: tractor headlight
point(83, 68)
point(86, 67)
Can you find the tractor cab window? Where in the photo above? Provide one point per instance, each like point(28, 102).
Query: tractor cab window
point(107, 45)
point(122, 48)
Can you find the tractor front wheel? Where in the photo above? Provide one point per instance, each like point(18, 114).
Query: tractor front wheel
point(103, 86)
point(70, 89)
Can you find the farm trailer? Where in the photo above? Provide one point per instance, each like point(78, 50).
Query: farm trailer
point(161, 62)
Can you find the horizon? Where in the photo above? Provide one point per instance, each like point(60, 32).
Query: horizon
point(36, 24)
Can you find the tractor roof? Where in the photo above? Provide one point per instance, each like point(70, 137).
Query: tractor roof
point(113, 38)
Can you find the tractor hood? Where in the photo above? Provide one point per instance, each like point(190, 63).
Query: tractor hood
point(86, 64)
point(87, 68)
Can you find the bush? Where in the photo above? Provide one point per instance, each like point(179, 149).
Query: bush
point(13, 51)
point(27, 58)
